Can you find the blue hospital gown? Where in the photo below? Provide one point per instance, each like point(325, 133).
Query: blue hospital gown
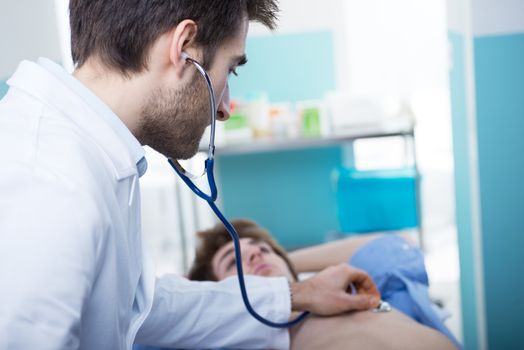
point(399, 272)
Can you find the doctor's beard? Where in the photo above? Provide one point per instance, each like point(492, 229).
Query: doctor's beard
point(173, 121)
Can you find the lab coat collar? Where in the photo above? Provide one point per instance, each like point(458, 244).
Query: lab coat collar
point(53, 85)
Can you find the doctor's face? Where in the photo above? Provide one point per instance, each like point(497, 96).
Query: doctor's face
point(174, 120)
point(258, 258)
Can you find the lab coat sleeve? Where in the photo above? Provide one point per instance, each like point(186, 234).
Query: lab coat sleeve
point(189, 314)
point(47, 259)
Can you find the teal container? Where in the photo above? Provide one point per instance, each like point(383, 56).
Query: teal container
point(378, 200)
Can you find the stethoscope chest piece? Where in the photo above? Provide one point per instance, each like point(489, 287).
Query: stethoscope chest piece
point(383, 307)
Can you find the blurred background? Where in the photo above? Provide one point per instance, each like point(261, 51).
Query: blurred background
point(356, 117)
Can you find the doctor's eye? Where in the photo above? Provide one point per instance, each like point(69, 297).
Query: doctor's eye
point(234, 72)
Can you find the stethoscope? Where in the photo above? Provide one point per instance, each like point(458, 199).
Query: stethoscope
point(188, 178)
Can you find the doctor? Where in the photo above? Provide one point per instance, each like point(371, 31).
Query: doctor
point(73, 272)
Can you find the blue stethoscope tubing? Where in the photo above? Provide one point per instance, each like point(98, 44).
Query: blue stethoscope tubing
point(211, 198)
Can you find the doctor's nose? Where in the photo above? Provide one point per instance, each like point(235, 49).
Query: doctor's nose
point(223, 109)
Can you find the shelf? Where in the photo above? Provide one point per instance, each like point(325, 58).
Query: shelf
point(286, 144)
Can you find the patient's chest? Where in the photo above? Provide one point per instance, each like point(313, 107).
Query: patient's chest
point(366, 330)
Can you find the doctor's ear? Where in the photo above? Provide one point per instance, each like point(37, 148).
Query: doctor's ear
point(184, 56)
point(181, 42)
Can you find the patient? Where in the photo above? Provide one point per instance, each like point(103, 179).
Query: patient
point(407, 326)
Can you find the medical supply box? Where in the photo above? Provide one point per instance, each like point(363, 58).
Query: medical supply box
point(376, 200)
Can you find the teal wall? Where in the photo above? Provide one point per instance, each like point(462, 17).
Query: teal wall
point(499, 74)
point(462, 191)
point(288, 192)
point(288, 67)
point(3, 88)
point(499, 97)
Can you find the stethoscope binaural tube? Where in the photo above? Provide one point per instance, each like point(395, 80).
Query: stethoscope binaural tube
point(211, 150)
point(212, 196)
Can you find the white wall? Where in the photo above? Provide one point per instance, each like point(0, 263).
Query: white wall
point(396, 47)
point(29, 30)
point(485, 17)
point(457, 16)
point(492, 17)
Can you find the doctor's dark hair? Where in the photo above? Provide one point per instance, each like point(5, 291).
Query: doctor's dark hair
point(120, 32)
point(210, 241)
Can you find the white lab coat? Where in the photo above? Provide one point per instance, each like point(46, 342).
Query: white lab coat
point(73, 274)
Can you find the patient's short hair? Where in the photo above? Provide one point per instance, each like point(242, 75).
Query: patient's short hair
point(210, 241)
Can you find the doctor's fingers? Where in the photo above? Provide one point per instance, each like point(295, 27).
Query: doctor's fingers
point(353, 302)
point(363, 283)
point(332, 286)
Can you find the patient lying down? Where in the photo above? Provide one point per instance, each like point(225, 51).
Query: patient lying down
point(262, 256)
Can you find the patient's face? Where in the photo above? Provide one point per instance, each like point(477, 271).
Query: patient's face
point(258, 258)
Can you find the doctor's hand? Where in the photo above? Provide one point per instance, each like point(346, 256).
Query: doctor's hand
point(329, 291)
